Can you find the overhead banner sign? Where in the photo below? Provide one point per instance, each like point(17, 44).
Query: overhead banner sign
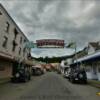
point(50, 43)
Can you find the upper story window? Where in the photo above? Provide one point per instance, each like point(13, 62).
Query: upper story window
point(15, 33)
point(24, 40)
point(14, 45)
point(7, 27)
point(28, 55)
point(19, 50)
point(5, 42)
point(20, 40)
point(0, 13)
point(24, 51)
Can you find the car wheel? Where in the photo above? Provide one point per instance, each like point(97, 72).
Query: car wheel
point(29, 78)
point(25, 79)
point(68, 78)
point(85, 81)
point(72, 80)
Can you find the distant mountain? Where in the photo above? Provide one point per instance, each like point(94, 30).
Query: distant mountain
point(53, 59)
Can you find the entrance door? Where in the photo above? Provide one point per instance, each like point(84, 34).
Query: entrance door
point(94, 72)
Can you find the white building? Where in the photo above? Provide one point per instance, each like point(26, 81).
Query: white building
point(12, 45)
point(91, 62)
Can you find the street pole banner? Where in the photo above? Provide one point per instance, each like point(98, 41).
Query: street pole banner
point(31, 45)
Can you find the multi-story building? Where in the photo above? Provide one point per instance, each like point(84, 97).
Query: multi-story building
point(13, 42)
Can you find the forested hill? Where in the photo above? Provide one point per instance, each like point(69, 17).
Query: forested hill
point(53, 59)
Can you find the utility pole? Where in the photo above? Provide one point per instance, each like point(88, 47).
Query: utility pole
point(74, 46)
point(76, 55)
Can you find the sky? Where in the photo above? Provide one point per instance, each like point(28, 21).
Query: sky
point(71, 20)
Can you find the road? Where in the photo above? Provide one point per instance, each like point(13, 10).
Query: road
point(50, 86)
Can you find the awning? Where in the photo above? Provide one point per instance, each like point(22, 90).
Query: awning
point(29, 62)
point(91, 57)
point(6, 56)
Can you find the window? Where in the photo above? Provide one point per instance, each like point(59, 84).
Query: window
point(2, 68)
point(88, 69)
point(16, 33)
point(20, 40)
point(94, 70)
point(7, 27)
point(19, 51)
point(99, 70)
point(14, 45)
point(0, 13)
point(28, 55)
point(24, 40)
point(5, 42)
point(24, 51)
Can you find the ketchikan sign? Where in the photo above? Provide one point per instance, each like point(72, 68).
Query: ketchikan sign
point(50, 43)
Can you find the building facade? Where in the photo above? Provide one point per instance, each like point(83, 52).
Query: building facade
point(90, 60)
point(93, 67)
point(13, 48)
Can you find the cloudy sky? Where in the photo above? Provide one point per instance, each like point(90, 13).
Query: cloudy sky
point(71, 20)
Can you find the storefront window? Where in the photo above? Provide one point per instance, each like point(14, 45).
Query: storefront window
point(94, 70)
point(88, 69)
point(2, 68)
point(99, 70)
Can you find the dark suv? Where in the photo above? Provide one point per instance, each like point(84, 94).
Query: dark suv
point(78, 75)
point(21, 76)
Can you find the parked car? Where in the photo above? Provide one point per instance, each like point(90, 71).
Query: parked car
point(37, 71)
point(67, 72)
point(21, 76)
point(48, 67)
point(78, 75)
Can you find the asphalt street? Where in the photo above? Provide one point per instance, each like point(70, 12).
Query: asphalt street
point(50, 86)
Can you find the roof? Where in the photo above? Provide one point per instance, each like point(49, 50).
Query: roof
point(84, 50)
point(6, 56)
point(89, 57)
point(29, 62)
point(95, 45)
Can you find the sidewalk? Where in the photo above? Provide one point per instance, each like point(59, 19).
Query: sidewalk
point(4, 80)
point(94, 83)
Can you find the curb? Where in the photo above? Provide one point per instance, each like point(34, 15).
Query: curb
point(94, 83)
point(4, 80)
